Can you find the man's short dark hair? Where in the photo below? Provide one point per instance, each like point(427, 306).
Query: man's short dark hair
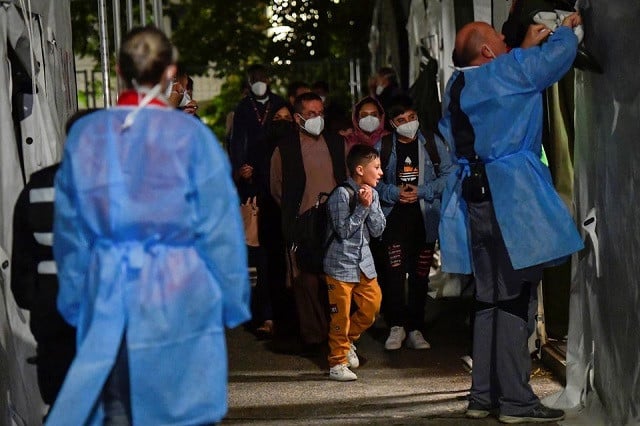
point(360, 155)
point(399, 105)
point(304, 97)
point(293, 87)
point(256, 71)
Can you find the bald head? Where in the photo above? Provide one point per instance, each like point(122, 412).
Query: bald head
point(478, 43)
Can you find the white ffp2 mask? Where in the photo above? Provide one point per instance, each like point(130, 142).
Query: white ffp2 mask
point(369, 123)
point(314, 125)
point(259, 88)
point(408, 130)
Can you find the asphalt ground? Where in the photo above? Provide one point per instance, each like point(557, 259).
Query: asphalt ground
point(271, 383)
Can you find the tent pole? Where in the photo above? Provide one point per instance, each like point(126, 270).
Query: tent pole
point(129, 14)
point(104, 52)
point(157, 14)
point(117, 35)
point(143, 13)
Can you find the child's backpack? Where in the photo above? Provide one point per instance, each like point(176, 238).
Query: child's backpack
point(311, 231)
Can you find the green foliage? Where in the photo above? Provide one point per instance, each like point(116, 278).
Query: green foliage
point(220, 35)
point(214, 113)
point(84, 28)
point(225, 37)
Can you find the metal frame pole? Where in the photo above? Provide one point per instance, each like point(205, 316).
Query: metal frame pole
point(358, 80)
point(117, 36)
point(143, 13)
point(104, 52)
point(157, 14)
point(129, 14)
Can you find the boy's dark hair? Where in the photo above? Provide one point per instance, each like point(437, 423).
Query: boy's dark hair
point(360, 155)
point(305, 97)
point(145, 54)
point(399, 105)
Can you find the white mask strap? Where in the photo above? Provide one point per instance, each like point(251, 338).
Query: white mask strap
point(148, 97)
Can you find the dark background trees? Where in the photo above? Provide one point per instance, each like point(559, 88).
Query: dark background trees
point(303, 40)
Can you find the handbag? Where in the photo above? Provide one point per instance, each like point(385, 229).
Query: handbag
point(249, 211)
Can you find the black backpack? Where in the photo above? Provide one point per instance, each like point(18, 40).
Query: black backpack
point(311, 242)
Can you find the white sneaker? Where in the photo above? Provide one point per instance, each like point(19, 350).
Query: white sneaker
point(396, 336)
point(341, 373)
point(416, 340)
point(352, 358)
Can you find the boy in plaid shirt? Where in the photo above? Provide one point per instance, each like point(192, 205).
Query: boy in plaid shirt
point(348, 263)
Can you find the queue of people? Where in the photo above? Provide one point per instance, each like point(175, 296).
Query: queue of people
point(151, 259)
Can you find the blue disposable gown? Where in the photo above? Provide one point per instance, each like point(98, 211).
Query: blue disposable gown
point(149, 245)
point(503, 101)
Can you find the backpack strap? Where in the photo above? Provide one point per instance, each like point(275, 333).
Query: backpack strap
point(352, 207)
point(385, 151)
point(430, 145)
point(432, 150)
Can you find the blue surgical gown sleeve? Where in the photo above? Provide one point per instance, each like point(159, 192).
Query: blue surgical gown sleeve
point(71, 248)
point(542, 70)
point(219, 232)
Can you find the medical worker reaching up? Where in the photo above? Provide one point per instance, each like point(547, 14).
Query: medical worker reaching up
point(501, 216)
point(151, 255)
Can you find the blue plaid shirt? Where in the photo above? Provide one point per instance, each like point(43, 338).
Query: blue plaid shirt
point(349, 252)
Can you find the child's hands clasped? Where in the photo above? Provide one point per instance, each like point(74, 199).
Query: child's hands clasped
point(365, 195)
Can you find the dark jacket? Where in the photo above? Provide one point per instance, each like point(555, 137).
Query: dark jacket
point(294, 178)
point(34, 281)
point(248, 142)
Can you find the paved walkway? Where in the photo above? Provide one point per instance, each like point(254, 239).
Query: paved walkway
point(270, 384)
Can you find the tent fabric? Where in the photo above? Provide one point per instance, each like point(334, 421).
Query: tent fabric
point(20, 401)
point(603, 342)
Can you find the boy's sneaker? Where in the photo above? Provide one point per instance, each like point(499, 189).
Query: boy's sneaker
point(539, 414)
point(352, 358)
point(341, 373)
point(396, 336)
point(416, 340)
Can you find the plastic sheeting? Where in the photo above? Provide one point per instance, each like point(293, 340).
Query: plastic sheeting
point(49, 43)
point(603, 373)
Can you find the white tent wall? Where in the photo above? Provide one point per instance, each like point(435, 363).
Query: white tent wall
point(431, 23)
point(49, 43)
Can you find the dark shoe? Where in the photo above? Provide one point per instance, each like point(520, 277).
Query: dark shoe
point(265, 331)
point(539, 414)
point(475, 410)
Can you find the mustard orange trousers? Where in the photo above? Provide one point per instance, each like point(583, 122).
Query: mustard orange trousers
point(346, 327)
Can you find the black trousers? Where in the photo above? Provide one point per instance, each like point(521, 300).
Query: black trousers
point(504, 298)
point(406, 258)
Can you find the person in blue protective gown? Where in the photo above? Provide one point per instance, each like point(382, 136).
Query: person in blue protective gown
point(151, 257)
point(501, 216)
